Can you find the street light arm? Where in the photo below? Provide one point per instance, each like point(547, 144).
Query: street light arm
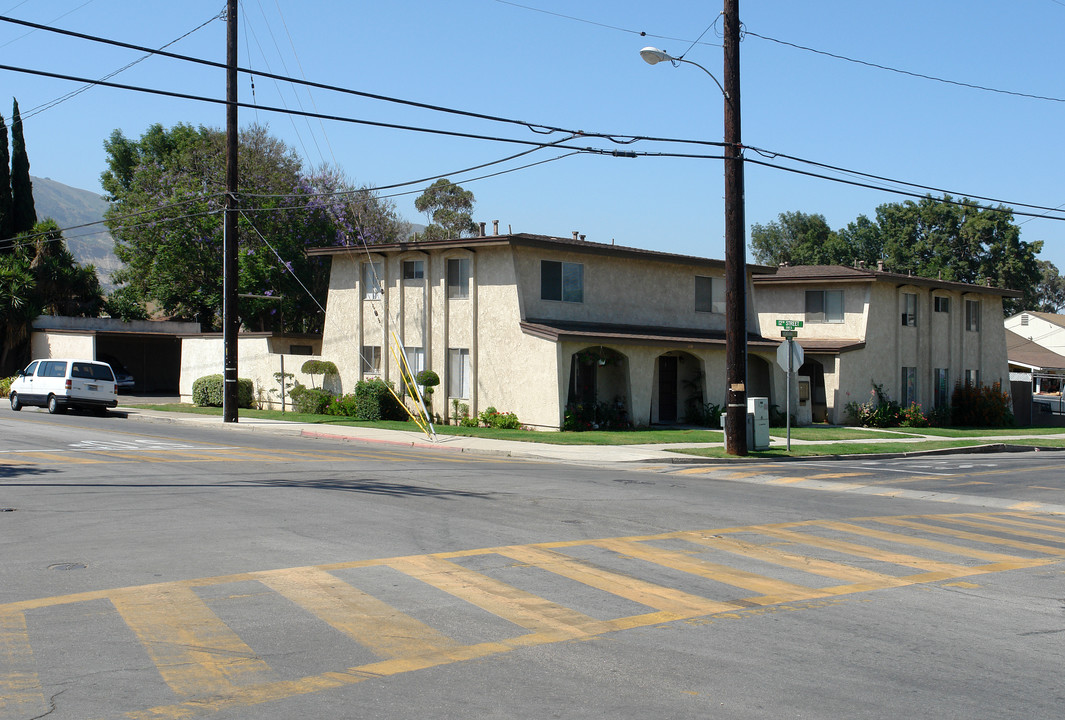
point(682, 60)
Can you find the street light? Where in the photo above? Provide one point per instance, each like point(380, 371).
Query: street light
point(735, 249)
point(653, 56)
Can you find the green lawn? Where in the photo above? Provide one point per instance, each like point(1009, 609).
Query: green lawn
point(985, 432)
point(828, 433)
point(592, 437)
point(860, 448)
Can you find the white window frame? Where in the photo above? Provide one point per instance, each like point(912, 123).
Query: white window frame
point(828, 298)
point(370, 359)
point(413, 269)
point(972, 315)
point(372, 272)
point(458, 279)
point(715, 296)
point(458, 373)
point(571, 281)
point(909, 309)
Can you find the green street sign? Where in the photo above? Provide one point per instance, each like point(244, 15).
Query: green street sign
point(789, 324)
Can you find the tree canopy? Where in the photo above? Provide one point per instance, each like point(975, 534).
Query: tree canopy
point(448, 208)
point(167, 192)
point(955, 240)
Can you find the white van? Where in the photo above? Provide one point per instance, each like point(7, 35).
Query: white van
point(61, 384)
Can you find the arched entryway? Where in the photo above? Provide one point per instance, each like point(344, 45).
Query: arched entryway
point(679, 386)
point(758, 378)
point(598, 388)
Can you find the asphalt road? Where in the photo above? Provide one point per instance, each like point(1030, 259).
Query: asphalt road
point(163, 571)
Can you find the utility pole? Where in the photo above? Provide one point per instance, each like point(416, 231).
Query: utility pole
point(230, 316)
point(735, 246)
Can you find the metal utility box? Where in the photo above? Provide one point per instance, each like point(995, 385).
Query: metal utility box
point(758, 422)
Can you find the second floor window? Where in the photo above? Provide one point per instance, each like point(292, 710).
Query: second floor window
point(972, 315)
point(824, 306)
point(563, 281)
point(709, 294)
point(371, 280)
point(458, 278)
point(942, 304)
point(909, 309)
point(413, 269)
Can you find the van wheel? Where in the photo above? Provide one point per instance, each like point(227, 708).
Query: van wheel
point(53, 405)
point(16, 404)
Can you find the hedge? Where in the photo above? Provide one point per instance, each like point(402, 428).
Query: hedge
point(207, 391)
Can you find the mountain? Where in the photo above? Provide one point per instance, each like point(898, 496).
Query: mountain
point(71, 207)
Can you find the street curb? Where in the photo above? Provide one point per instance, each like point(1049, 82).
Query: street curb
point(977, 449)
point(406, 443)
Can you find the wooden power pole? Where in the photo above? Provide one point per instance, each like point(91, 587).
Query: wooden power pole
point(735, 246)
point(230, 316)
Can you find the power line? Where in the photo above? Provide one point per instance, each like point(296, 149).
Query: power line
point(923, 76)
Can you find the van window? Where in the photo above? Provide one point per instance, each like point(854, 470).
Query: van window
point(91, 371)
point(30, 368)
point(53, 368)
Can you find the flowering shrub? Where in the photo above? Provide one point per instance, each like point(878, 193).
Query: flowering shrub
point(912, 416)
point(880, 411)
point(502, 420)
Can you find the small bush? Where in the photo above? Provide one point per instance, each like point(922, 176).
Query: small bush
point(5, 385)
point(880, 411)
point(703, 414)
point(309, 400)
point(468, 422)
point(594, 416)
point(207, 391)
point(913, 417)
point(371, 401)
point(502, 420)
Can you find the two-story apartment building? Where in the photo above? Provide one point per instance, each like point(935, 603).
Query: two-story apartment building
point(915, 336)
point(533, 324)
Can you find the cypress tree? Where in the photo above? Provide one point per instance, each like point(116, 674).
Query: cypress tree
point(6, 226)
point(23, 213)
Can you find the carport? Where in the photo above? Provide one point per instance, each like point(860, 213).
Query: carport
point(150, 350)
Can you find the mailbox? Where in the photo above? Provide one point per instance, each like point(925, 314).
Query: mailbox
point(804, 391)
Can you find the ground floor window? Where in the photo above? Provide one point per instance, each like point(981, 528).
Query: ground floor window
point(942, 380)
point(909, 386)
point(371, 359)
point(458, 376)
point(972, 377)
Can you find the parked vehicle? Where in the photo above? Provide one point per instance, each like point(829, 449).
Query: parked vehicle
point(123, 376)
point(59, 384)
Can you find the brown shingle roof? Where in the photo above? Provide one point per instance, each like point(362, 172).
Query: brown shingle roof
point(529, 240)
point(1022, 351)
point(801, 274)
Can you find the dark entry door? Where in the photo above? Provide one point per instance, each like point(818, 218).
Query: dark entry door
point(667, 389)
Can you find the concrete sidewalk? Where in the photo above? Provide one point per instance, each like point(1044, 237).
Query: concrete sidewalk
point(584, 454)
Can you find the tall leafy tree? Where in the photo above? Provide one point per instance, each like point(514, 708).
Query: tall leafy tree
point(23, 212)
point(449, 210)
point(953, 240)
point(166, 191)
point(1050, 290)
point(7, 227)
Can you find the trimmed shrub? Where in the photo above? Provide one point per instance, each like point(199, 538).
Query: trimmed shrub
point(207, 391)
point(371, 401)
point(309, 400)
point(319, 367)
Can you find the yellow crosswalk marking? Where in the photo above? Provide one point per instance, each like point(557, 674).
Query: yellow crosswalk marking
point(524, 609)
point(195, 652)
point(917, 541)
point(20, 690)
point(60, 457)
point(1027, 522)
point(979, 537)
point(866, 551)
point(626, 586)
point(817, 566)
point(367, 620)
point(772, 590)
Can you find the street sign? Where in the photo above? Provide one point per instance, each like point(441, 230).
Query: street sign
point(797, 355)
point(789, 324)
point(789, 333)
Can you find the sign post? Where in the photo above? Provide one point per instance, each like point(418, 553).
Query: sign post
point(794, 354)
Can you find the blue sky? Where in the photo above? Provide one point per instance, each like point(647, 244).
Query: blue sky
point(523, 60)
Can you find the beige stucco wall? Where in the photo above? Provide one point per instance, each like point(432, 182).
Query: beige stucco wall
point(52, 344)
point(202, 356)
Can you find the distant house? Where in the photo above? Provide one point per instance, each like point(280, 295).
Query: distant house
point(1035, 343)
point(535, 325)
point(1044, 329)
point(917, 337)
